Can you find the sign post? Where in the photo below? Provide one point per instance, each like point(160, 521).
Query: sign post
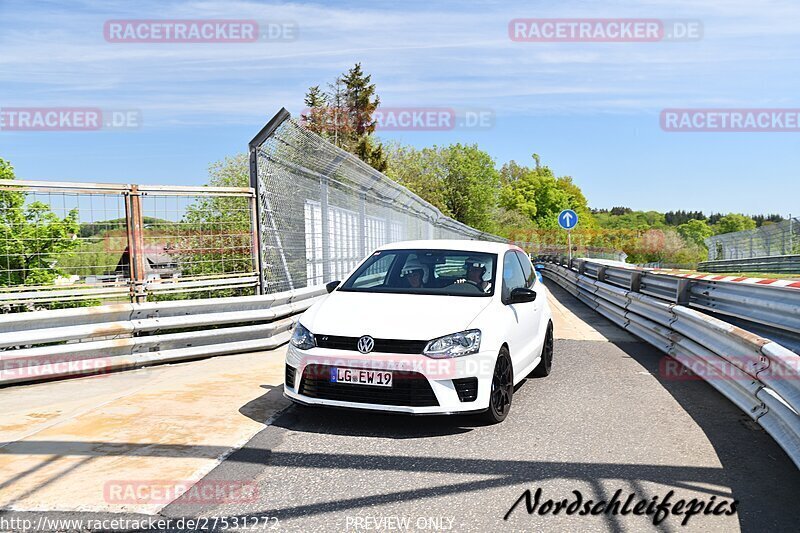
point(568, 219)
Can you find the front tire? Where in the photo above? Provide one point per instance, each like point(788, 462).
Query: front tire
point(502, 390)
point(546, 364)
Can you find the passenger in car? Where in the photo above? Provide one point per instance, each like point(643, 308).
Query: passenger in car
point(476, 269)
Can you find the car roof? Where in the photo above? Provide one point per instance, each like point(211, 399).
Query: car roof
point(452, 244)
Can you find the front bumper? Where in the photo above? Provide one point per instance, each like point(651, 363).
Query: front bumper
point(433, 390)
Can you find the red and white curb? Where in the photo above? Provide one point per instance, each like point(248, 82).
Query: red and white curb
point(793, 284)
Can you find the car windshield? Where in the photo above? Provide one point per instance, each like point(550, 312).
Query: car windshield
point(445, 272)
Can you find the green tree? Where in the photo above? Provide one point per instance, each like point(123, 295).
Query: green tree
point(470, 182)
point(216, 230)
point(696, 231)
point(518, 190)
point(344, 115)
point(33, 239)
point(734, 222)
point(316, 117)
point(538, 194)
point(421, 171)
point(460, 180)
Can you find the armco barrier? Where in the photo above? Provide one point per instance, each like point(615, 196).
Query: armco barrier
point(43, 345)
point(758, 375)
point(764, 308)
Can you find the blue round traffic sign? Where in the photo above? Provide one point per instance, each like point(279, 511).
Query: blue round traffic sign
point(568, 219)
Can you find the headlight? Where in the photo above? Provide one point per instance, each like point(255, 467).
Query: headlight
point(455, 345)
point(302, 338)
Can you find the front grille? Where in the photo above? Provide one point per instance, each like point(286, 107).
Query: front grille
point(467, 389)
point(408, 388)
point(335, 342)
point(289, 380)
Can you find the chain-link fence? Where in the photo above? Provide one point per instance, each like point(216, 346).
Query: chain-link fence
point(322, 210)
point(781, 238)
point(78, 244)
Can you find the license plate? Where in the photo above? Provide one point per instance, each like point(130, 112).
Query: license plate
point(380, 378)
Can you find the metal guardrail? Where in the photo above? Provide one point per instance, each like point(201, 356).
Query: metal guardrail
point(758, 375)
point(43, 345)
point(762, 308)
point(779, 264)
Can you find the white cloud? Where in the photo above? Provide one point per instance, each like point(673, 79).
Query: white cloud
point(453, 54)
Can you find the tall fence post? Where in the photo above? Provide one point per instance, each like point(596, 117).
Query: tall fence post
point(254, 183)
point(255, 245)
point(261, 196)
point(362, 226)
point(388, 230)
point(326, 238)
point(134, 225)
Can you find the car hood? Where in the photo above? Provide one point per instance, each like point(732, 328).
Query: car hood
point(392, 316)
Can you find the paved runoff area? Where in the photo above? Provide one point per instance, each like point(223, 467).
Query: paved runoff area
point(76, 444)
point(213, 445)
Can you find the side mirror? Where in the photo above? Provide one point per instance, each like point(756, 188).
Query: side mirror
point(521, 295)
point(539, 267)
point(331, 286)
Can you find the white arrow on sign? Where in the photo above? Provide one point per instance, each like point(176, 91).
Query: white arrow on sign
point(567, 218)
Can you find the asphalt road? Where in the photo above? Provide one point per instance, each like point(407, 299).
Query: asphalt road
point(603, 421)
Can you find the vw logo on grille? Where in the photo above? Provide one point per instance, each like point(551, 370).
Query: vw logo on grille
point(366, 344)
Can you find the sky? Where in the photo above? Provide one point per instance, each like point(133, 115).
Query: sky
point(589, 109)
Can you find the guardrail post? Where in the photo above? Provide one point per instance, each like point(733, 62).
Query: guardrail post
point(636, 282)
point(601, 273)
point(683, 292)
point(582, 268)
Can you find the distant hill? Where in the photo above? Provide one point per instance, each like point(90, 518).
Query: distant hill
point(91, 229)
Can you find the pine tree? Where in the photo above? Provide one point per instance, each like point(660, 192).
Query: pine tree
point(316, 119)
point(344, 116)
point(361, 101)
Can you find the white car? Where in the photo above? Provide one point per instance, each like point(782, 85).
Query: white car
point(425, 327)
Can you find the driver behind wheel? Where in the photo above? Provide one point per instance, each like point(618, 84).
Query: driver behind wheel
point(475, 269)
point(414, 273)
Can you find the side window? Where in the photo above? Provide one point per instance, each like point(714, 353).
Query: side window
point(375, 274)
point(513, 277)
point(527, 270)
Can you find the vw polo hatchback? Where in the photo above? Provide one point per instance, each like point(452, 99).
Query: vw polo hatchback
point(425, 327)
